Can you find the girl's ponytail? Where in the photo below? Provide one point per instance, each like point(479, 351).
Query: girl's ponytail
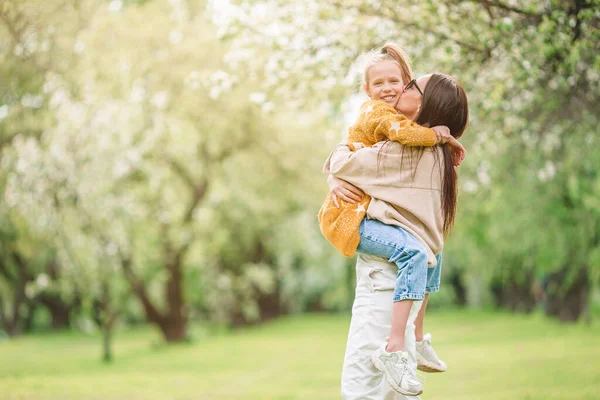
point(391, 52)
point(400, 56)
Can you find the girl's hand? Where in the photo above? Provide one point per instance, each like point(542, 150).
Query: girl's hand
point(443, 134)
point(458, 151)
point(346, 191)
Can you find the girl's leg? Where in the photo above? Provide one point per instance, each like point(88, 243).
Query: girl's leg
point(400, 312)
point(433, 285)
point(420, 319)
point(401, 248)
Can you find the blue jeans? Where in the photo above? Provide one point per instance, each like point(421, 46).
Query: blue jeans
point(393, 243)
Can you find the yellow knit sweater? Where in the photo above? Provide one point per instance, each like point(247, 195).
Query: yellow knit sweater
point(377, 121)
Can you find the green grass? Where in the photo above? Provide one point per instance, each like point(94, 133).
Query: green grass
point(493, 356)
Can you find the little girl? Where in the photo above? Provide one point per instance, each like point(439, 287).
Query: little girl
point(386, 71)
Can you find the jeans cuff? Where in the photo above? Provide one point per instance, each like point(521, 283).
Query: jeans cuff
point(409, 296)
point(432, 289)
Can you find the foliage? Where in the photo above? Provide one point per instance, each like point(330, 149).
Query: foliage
point(531, 72)
point(153, 157)
point(161, 159)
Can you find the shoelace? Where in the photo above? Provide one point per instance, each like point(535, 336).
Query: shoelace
point(411, 373)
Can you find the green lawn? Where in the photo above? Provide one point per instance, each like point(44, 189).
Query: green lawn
point(491, 356)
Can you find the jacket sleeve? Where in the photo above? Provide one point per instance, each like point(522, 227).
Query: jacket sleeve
point(352, 147)
point(354, 167)
point(380, 121)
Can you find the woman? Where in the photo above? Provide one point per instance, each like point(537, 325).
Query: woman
point(424, 207)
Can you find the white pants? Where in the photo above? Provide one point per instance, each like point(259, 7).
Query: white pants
point(369, 327)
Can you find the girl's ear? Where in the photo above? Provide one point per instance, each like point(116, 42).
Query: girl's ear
point(366, 89)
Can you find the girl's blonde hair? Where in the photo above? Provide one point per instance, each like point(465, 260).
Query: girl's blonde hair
point(391, 52)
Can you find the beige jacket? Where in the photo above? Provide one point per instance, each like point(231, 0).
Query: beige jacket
point(403, 195)
point(376, 122)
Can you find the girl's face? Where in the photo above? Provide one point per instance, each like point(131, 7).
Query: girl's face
point(410, 99)
point(384, 82)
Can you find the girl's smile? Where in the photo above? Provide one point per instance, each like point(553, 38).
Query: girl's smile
point(385, 82)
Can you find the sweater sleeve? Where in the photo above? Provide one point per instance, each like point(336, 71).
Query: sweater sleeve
point(380, 121)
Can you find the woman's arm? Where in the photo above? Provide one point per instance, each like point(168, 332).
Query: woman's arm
point(339, 187)
point(379, 121)
point(361, 167)
point(353, 166)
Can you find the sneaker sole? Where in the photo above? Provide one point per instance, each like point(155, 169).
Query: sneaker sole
point(381, 367)
point(429, 367)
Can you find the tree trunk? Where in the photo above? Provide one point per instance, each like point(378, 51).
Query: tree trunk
point(107, 329)
point(458, 284)
point(105, 317)
point(60, 311)
point(175, 327)
point(11, 327)
point(567, 298)
point(173, 324)
point(520, 295)
point(10, 324)
point(13, 324)
point(28, 323)
point(270, 305)
point(514, 291)
point(174, 333)
point(107, 344)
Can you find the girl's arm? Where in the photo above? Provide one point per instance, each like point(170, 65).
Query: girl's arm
point(380, 121)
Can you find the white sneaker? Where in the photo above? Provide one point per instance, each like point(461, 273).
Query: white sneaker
point(397, 371)
point(427, 359)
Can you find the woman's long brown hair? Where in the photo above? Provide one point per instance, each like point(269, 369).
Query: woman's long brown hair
point(445, 103)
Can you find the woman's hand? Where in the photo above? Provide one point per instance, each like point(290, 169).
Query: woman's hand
point(457, 150)
point(339, 188)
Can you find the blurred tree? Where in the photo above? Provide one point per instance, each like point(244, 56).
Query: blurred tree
point(531, 71)
point(32, 48)
point(161, 170)
point(15, 277)
point(31, 278)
